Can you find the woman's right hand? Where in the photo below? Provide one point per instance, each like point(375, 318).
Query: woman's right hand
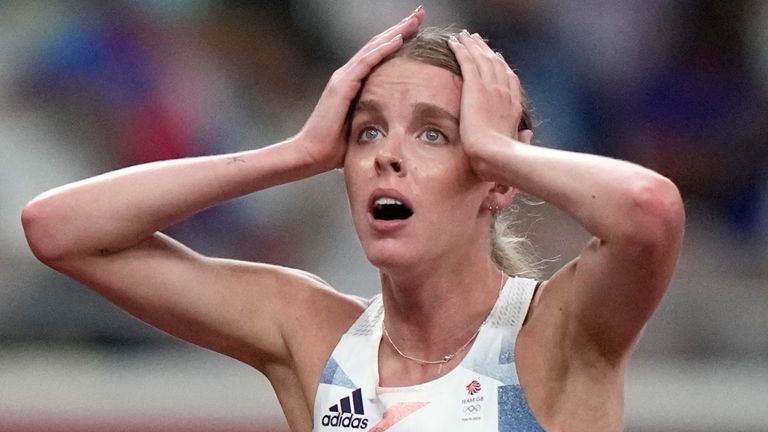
point(323, 135)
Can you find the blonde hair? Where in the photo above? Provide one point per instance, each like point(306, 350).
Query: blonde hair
point(430, 46)
point(509, 251)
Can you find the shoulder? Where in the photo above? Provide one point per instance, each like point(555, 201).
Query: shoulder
point(307, 303)
point(301, 314)
point(313, 325)
point(310, 317)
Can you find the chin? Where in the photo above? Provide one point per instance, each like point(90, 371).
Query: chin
point(389, 254)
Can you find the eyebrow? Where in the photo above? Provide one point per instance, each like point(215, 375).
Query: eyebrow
point(421, 109)
point(367, 106)
point(424, 109)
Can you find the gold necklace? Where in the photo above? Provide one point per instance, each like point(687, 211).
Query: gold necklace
point(447, 357)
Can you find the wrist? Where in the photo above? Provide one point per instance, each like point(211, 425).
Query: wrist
point(316, 157)
point(306, 160)
point(486, 155)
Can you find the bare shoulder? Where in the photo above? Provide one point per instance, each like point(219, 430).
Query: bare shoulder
point(311, 314)
point(313, 318)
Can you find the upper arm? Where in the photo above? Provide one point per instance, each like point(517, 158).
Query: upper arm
point(243, 310)
point(610, 291)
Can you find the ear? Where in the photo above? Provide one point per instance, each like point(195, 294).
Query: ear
point(499, 197)
point(525, 136)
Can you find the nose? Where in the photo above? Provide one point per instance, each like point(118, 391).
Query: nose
point(386, 160)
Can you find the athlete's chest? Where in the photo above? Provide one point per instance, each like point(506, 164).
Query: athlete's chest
point(463, 400)
point(481, 394)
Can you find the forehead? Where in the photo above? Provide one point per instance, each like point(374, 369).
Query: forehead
point(402, 83)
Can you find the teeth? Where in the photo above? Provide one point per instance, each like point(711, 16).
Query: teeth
point(387, 201)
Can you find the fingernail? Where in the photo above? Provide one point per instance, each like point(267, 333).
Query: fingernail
point(415, 11)
point(452, 38)
point(464, 32)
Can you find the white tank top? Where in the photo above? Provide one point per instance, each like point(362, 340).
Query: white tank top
point(481, 394)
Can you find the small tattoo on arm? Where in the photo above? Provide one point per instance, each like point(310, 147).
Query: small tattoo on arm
point(235, 159)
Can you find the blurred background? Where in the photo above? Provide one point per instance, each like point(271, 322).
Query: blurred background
point(90, 86)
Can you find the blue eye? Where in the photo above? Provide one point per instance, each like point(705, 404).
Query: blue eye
point(433, 136)
point(369, 134)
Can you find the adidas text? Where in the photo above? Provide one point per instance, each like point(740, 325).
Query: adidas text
point(345, 421)
point(348, 412)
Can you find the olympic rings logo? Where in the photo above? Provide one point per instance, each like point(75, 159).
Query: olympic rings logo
point(471, 409)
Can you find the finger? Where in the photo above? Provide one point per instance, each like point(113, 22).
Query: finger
point(501, 68)
point(493, 60)
point(407, 27)
point(386, 42)
point(466, 62)
point(481, 54)
point(346, 81)
point(366, 63)
point(513, 82)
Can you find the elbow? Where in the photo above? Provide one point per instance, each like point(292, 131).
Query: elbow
point(37, 220)
point(656, 215)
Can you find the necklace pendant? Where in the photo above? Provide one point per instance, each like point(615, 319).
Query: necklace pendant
point(448, 358)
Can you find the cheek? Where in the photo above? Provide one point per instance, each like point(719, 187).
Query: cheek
point(349, 182)
point(451, 197)
point(355, 176)
point(354, 163)
point(450, 173)
point(463, 193)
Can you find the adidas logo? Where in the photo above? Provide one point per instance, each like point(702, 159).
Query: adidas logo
point(345, 413)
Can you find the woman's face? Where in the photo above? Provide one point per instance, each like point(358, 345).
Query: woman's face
point(413, 195)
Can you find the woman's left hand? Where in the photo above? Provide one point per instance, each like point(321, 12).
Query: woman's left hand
point(491, 101)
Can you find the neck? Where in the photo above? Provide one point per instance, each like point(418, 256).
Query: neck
point(431, 314)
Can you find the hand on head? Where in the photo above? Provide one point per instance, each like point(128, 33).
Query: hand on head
point(491, 97)
point(323, 135)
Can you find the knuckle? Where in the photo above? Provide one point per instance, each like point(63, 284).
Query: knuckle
point(369, 60)
point(331, 91)
point(336, 78)
point(336, 85)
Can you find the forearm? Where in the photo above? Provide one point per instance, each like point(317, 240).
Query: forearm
point(612, 199)
point(116, 210)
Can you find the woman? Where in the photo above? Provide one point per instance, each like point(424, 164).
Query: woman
point(429, 158)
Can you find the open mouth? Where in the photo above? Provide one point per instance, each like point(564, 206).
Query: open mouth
point(386, 208)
